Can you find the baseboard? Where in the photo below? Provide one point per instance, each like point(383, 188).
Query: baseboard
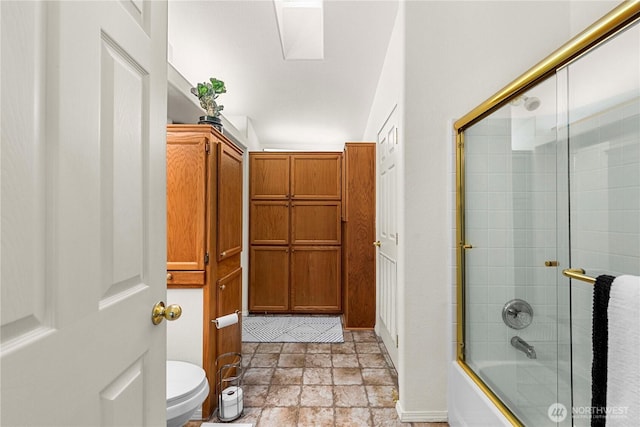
point(421, 416)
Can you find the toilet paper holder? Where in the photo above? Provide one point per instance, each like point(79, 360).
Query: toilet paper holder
point(227, 320)
point(229, 374)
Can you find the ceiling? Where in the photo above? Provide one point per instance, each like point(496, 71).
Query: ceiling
point(292, 104)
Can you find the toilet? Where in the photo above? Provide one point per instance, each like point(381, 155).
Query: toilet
point(187, 388)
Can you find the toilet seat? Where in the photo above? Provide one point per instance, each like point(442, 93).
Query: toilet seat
point(187, 387)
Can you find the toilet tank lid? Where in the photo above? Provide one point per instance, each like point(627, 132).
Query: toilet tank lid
point(183, 378)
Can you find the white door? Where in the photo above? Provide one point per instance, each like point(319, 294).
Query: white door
point(83, 247)
point(388, 233)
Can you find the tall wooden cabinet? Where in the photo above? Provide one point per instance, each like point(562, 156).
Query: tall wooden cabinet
point(204, 232)
point(295, 232)
point(359, 232)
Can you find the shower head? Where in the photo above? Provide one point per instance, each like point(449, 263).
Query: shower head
point(531, 103)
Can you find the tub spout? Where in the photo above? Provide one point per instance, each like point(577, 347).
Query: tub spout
point(523, 346)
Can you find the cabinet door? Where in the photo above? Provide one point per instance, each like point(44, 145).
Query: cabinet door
point(269, 223)
point(229, 297)
point(186, 178)
point(316, 176)
point(229, 201)
point(315, 223)
point(269, 176)
point(315, 279)
point(269, 279)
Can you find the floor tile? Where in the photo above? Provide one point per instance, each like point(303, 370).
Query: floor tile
point(353, 417)
point(287, 376)
point(350, 384)
point(317, 395)
point(381, 395)
point(316, 417)
point(291, 361)
point(278, 417)
point(283, 395)
point(317, 360)
point(350, 396)
point(294, 347)
point(265, 360)
point(317, 376)
point(377, 377)
point(345, 361)
point(255, 376)
point(347, 376)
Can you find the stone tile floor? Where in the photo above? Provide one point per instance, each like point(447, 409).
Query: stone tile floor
point(335, 385)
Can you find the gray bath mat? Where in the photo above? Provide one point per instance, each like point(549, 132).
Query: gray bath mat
point(317, 329)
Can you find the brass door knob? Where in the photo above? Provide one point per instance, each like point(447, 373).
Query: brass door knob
point(377, 243)
point(160, 312)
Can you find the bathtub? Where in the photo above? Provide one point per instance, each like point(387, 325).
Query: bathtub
point(528, 388)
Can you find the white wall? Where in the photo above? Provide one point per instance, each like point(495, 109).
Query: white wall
point(444, 59)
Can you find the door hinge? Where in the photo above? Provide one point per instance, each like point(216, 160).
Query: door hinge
point(207, 147)
point(397, 341)
point(396, 238)
point(206, 258)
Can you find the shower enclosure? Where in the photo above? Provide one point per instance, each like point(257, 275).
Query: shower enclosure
point(548, 182)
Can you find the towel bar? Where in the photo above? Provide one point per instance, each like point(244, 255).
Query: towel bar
point(578, 273)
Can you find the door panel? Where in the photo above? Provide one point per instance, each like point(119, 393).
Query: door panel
point(387, 260)
point(269, 176)
point(83, 226)
point(229, 301)
point(316, 176)
point(270, 223)
point(186, 187)
point(316, 223)
point(316, 279)
point(229, 201)
point(269, 284)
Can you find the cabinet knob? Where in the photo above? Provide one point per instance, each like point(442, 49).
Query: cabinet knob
point(223, 253)
point(223, 287)
point(169, 276)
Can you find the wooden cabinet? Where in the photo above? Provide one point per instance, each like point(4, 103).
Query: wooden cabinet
point(204, 232)
point(269, 279)
point(359, 254)
point(315, 271)
point(295, 232)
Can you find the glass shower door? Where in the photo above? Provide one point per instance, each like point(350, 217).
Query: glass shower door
point(513, 340)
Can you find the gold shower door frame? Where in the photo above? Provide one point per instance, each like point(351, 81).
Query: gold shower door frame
point(615, 21)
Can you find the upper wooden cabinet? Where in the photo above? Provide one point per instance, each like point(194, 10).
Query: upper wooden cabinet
point(229, 201)
point(186, 193)
point(308, 176)
point(316, 176)
point(269, 176)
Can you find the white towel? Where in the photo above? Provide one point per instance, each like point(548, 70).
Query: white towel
point(623, 373)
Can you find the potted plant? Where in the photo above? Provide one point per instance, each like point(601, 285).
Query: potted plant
point(207, 94)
